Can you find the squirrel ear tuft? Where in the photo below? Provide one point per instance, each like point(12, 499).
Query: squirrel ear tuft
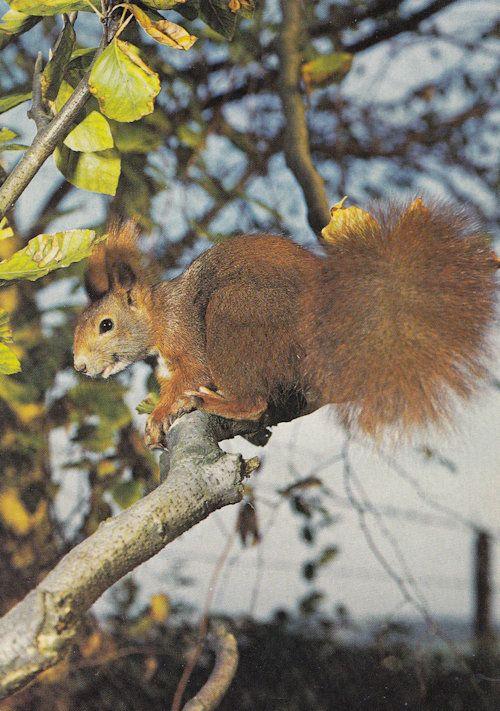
point(96, 278)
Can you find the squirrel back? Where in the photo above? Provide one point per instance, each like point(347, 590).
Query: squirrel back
point(400, 316)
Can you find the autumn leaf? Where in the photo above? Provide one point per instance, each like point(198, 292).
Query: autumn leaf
point(159, 607)
point(345, 219)
point(163, 31)
point(326, 69)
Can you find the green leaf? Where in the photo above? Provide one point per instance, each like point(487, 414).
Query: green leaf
point(5, 332)
point(49, 7)
point(219, 17)
point(98, 172)
point(6, 135)
point(190, 9)
point(91, 134)
point(327, 68)
point(9, 362)
point(5, 230)
point(53, 73)
point(63, 94)
point(163, 31)
point(45, 253)
point(163, 4)
point(126, 493)
point(9, 101)
point(123, 84)
point(146, 406)
point(135, 137)
point(15, 23)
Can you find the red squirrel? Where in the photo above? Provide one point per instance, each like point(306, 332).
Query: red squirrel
point(388, 324)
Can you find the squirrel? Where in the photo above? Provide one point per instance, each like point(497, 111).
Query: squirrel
point(389, 324)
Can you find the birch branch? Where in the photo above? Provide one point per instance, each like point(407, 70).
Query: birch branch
point(39, 630)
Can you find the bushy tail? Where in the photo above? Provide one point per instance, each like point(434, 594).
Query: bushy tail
point(407, 302)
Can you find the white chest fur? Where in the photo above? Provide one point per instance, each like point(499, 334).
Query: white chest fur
point(163, 370)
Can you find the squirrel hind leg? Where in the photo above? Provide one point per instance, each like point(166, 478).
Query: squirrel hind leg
point(216, 403)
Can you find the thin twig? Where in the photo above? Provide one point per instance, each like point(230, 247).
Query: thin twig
point(203, 625)
point(38, 111)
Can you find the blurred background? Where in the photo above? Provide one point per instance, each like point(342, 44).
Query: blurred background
point(388, 550)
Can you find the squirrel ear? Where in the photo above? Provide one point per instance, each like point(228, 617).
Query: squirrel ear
point(123, 275)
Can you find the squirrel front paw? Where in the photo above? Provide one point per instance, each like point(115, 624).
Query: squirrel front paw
point(160, 421)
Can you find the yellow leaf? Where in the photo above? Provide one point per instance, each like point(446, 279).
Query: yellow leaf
point(344, 219)
point(163, 31)
point(15, 515)
point(106, 467)
point(9, 298)
point(417, 206)
point(29, 411)
point(159, 607)
point(5, 229)
point(326, 69)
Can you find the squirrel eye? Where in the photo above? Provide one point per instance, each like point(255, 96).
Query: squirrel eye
point(105, 325)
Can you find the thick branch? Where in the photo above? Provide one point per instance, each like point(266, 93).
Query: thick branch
point(296, 137)
point(226, 664)
point(38, 631)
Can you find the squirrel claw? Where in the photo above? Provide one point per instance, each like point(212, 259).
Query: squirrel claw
point(160, 421)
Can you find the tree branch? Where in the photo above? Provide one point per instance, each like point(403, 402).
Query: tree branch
point(226, 664)
point(48, 136)
point(390, 29)
point(296, 137)
point(39, 630)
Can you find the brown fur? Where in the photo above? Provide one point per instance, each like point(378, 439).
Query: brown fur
point(387, 326)
point(400, 318)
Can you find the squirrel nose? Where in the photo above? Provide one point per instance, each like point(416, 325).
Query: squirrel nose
point(80, 366)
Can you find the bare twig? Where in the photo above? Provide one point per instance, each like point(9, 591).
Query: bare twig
point(226, 663)
point(39, 630)
point(38, 111)
point(296, 136)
